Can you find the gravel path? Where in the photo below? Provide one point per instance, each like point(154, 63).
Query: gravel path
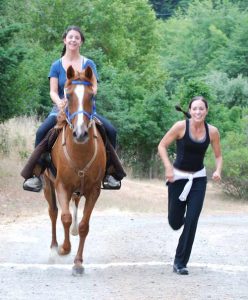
point(129, 250)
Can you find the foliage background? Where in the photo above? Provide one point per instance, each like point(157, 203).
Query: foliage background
point(150, 56)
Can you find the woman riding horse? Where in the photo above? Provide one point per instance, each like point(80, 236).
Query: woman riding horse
point(79, 157)
point(73, 38)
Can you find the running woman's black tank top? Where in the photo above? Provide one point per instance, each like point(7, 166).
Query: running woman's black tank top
point(190, 153)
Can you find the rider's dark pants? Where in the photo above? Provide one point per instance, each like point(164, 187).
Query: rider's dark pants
point(48, 123)
point(110, 130)
point(185, 213)
point(51, 120)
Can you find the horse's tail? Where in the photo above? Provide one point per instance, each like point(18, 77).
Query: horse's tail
point(187, 114)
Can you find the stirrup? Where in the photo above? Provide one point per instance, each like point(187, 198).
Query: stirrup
point(36, 190)
point(107, 186)
point(33, 187)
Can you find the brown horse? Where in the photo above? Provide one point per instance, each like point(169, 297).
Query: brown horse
point(80, 158)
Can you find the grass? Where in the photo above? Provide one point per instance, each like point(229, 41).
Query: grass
point(17, 137)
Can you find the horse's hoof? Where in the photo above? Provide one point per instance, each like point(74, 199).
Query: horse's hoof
point(62, 251)
point(53, 255)
point(74, 231)
point(54, 251)
point(77, 270)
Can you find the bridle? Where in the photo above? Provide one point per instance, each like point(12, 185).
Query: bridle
point(69, 116)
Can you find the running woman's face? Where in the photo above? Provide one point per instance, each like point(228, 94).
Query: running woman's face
point(198, 110)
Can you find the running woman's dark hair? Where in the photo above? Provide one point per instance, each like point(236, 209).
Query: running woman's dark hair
point(187, 114)
point(198, 98)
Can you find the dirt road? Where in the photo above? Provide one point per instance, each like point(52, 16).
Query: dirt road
point(129, 250)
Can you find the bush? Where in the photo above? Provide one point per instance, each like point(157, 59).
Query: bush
point(15, 141)
point(231, 92)
point(4, 140)
point(235, 164)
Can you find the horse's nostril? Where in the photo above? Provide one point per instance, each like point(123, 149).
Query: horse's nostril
point(80, 136)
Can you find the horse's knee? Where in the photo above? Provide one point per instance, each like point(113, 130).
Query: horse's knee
point(53, 212)
point(83, 228)
point(66, 219)
point(175, 224)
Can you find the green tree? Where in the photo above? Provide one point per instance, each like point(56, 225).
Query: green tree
point(229, 91)
point(233, 59)
point(189, 53)
point(31, 87)
point(10, 56)
point(122, 37)
point(165, 8)
point(235, 156)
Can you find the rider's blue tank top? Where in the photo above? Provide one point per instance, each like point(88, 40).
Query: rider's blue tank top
point(57, 70)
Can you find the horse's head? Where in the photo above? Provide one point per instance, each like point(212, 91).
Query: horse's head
point(79, 94)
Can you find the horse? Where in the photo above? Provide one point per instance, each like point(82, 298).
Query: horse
point(79, 157)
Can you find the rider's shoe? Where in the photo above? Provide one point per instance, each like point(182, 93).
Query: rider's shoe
point(33, 184)
point(111, 183)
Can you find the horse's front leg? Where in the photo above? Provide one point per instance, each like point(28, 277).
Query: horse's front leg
point(66, 218)
point(75, 202)
point(83, 230)
point(49, 193)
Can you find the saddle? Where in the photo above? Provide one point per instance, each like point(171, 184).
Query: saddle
point(40, 159)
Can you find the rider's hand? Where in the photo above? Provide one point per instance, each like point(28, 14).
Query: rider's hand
point(61, 104)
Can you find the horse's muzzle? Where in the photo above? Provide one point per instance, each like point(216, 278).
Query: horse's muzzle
point(80, 137)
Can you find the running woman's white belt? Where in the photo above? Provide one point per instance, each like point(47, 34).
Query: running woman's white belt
point(185, 175)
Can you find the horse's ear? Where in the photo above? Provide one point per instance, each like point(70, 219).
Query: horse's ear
point(88, 72)
point(70, 72)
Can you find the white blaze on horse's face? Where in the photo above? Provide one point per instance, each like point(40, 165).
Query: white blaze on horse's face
point(80, 129)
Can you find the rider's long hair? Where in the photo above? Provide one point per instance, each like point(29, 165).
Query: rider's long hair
point(72, 27)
